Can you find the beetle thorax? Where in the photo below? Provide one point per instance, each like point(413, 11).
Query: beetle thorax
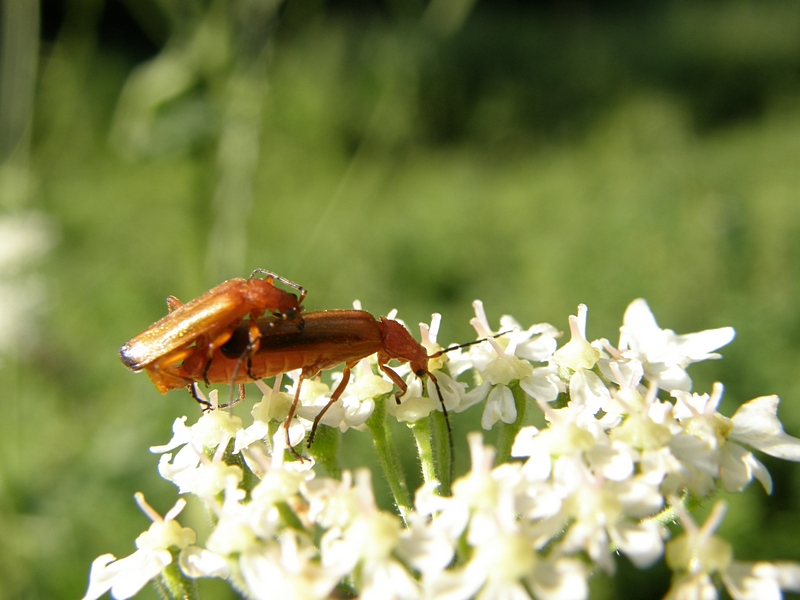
point(263, 294)
point(400, 345)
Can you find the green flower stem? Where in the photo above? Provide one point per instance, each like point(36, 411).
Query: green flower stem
point(443, 451)
point(507, 433)
point(388, 457)
point(669, 515)
point(422, 435)
point(173, 584)
point(325, 450)
point(289, 517)
point(249, 479)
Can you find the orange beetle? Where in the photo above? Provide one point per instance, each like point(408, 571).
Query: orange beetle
point(328, 338)
point(201, 326)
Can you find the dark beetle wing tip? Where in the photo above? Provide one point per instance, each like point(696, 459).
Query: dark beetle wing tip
point(127, 359)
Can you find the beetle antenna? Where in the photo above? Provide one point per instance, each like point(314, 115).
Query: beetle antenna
point(283, 280)
point(239, 362)
point(447, 423)
point(467, 344)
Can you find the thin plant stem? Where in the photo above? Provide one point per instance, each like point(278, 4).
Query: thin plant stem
point(325, 450)
point(388, 458)
point(442, 447)
point(422, 436)
point(174, 585)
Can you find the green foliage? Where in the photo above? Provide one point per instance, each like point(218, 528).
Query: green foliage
point(533, 160)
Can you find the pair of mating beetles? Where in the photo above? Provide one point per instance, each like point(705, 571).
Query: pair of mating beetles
point(209, 340)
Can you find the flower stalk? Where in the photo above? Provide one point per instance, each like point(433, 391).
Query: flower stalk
point(174, 585)
point(388, 458)
point(422, 436)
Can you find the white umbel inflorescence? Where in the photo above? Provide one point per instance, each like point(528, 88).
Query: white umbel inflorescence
point(625, 443)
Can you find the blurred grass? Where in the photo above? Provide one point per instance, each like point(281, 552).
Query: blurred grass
point(535, 160)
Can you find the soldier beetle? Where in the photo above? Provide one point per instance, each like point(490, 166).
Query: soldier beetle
point(328, 339)
point(201, 326)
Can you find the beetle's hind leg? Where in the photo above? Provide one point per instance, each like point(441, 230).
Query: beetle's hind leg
point(205, 405)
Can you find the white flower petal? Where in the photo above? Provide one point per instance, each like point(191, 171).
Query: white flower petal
point(198, 562)
point(738, 466)
point(126, 576)
point(755, 581)
point(100, 578)
point(563, 579)
point(756, 424)
point(642, 544)
point(499, 407)
point(587, 390)
point(542, 384)
point(181, 434)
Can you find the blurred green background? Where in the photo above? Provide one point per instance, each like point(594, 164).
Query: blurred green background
point(411, 155)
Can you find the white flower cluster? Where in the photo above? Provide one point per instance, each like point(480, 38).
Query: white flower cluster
point(626, 443)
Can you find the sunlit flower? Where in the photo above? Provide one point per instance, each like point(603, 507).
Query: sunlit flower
point(696, 555)
point(591, 482)
point(756, 424)
point(760, 580)
point(498, 368)
point(191, 469)
point(126, 576)
point(708, 446)
point(286, 569)
point(363, 539)
point(664, 354)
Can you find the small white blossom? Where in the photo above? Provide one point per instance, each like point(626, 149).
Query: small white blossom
point(358, 399)
point(126, 576)
point(756, 424)
point(367, 537)
point(190, 469)
point(604, 512)
point(413, 404)
point(697, 554)
point(592, 480)
point(285, 569)
point(664, 354)
point(498, 368)
point(761, 580)
point(274, 406)
point(578, 353)
point(707, 446)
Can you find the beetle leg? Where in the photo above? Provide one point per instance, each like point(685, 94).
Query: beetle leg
point(166, 374)
point(218, 342)
point(253, 346)
point(173, 303)
point(398, 381)
point(250, 368)
point(205, 371)
point(334, 397)
point(205, 405)
point(239, 398)
point(290, 416)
